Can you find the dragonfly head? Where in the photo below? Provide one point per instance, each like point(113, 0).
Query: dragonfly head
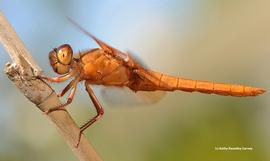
point(61, 58)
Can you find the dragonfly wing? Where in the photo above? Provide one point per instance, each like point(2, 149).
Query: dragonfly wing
point(137, 59)
point(109, 49)
point(123, 96)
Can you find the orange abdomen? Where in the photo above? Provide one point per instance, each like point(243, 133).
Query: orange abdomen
point(170, 83)
point(217, 88)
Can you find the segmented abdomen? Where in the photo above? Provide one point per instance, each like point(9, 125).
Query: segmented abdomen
point(170, 83)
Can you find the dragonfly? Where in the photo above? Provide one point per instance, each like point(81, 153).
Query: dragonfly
point(109, 66)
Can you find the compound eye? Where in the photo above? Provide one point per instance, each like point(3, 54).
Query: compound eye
point(64, 54)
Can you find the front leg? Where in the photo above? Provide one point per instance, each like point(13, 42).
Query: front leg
point(73, 85)
point(67, 88)
point(58, 79)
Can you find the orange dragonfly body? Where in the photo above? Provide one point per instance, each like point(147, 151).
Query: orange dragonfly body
point(110, 67)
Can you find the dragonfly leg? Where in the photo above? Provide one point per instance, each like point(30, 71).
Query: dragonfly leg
point(98, 107)
point(67, 88)
point(73, 85)
point(61, 78)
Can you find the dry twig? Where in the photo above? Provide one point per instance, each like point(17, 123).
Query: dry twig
point(22, 72)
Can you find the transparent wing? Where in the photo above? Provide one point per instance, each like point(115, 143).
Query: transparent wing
point(123, 96)
point(137, 59)
point(109, 49)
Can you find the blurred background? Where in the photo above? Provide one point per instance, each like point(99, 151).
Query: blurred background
point(218, 40)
